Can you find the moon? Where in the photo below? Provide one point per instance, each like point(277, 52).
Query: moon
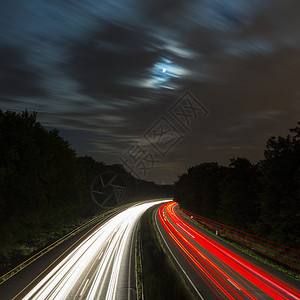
point(164, 70)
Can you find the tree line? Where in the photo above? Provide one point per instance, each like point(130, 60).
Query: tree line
point(261, 198)
point(45, 186)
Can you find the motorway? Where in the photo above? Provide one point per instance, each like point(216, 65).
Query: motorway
point(99, 267)
point(211, 269)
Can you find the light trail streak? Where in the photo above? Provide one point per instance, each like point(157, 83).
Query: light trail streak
point(281, 253)
point(188, 251)
point(185, 230)
point(217, 265)
point(84, 287)
point(92, 269)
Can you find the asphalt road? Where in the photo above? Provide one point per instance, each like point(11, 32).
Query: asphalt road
point(214, 270)
point(98, 263)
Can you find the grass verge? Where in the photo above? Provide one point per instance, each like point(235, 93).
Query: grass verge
point(84, 225)
point(258, 256)
point(160, 277)
point(138, 264)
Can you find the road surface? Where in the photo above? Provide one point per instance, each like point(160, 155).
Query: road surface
point(99, 267)
point(211, 269)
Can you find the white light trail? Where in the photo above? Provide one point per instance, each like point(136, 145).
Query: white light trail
point(96, 261)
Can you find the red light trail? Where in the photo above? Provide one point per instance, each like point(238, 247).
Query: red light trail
point(281, 253)
point(228, 275)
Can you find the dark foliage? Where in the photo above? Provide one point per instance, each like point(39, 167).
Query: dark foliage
point(160, 278)
point(45, 187)
point(262, 199)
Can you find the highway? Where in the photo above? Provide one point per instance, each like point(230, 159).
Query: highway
point(212, 269)
point(100, 267)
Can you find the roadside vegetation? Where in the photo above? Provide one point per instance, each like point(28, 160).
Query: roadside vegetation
point(138, 263)
point(262, 199)
point(45, 187)
point(252, 251)
point(161, 279)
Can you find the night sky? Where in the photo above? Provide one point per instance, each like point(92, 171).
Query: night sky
point(103, 72)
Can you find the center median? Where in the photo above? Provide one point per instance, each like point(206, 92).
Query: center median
point(160, 278)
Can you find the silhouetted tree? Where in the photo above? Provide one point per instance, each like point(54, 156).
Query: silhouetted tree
point(280, 197)
point(40, 186)
point(198, 190)
point(45, 187)
point(239, 200)
point(262, 198)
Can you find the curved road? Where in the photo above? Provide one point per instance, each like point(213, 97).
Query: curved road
point(212, 270)
point(100, 267)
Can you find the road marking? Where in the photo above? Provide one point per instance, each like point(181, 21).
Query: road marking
point(233, 284)
point(185, 230)
point(99, 257)
point(84, 287)
point(61, 255)
point(176, 259)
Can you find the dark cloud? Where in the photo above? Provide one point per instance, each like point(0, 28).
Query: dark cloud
point(114, 62)
point(17, 76)
point(103, 72)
